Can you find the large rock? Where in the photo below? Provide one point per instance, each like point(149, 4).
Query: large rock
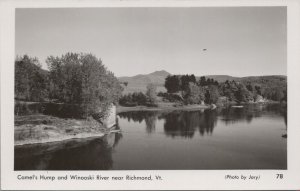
point(111, 118)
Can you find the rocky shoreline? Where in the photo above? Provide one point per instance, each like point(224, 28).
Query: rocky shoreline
point(33, 129)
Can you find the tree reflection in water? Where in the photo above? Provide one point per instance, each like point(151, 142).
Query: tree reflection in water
point(232, 115)
point(96, 153)
point(150, 118)
point(150, 123)
point(185, 123)
point(137, 116)
point(177, 123)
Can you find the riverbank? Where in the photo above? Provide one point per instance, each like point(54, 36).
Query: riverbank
point(169, 106)
point(31, 129)
point(162, 107)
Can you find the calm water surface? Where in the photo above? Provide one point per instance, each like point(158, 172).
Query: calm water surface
point(228, 138)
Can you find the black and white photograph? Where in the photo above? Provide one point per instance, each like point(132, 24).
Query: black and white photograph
point(154, 95)
point(151, 88)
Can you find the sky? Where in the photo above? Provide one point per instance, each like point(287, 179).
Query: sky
point(239, 41)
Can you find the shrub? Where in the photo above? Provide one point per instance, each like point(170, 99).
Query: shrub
point(172, 97)
point(54, 109)
point(133, 99)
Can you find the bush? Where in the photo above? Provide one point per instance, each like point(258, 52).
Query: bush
point(134, 99)
point(54, 109)
point(161, 94)
point(169, 97)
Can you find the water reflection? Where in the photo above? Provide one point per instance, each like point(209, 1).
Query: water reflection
point(150, 118)
point(176, 123)
point(92, 154)
point(232, 115)
point(186, 123)
point(176, 131)
point(150, 123)
point(138, 116)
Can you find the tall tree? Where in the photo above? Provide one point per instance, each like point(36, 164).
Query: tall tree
point(82, 79)
point(151, 93)
point(194, 94)
point(185, 80)
point(30, 79)
point(242, 94)
point(172, 83)
point(202, 81)
point(258, 90)
point(212, 94)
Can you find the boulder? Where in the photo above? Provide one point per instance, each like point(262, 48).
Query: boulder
point(111, 118)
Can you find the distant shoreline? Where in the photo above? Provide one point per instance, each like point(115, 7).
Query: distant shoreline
point(161, 107)
point(169, 107)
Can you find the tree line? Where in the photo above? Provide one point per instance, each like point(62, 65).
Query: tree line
point(206, 90)
point(73, 78)
point(83, 80)
point(140, 98)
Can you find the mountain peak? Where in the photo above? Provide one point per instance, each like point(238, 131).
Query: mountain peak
point(160, 73)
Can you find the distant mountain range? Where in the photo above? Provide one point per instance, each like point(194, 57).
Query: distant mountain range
point(157, 77)
point(140, 82)
point(223, 78)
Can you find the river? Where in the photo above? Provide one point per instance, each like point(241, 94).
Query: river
point(224, 138)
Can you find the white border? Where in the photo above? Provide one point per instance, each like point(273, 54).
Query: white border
point(177, 180)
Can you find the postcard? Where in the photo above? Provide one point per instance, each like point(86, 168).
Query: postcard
point(155, 95)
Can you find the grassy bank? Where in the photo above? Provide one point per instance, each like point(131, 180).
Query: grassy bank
point(38, 128)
